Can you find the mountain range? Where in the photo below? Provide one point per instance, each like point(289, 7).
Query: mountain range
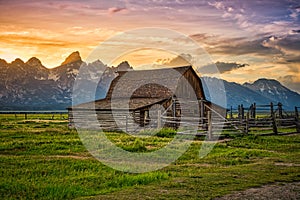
point(31, 86)
point(262, 92)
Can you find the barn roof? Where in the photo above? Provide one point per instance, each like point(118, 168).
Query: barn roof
point(139, 89)
point(155, 83)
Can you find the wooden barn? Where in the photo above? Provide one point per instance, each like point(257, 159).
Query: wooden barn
point(148, 98)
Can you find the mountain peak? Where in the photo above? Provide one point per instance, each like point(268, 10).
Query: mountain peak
point(264, 82)
point(34, 62)
point(3, 62)
point(17, 61)
point(73, 57)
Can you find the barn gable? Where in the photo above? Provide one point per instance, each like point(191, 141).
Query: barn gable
point(150, 83)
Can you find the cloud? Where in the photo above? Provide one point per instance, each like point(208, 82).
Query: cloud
point(245, 47)
point(284, 48)
point(295, 31)
point(218, 5)
point(181, 60)
point(113, 10)
point(288, 44)
point(216, 40)
point(291, 81)
point(295, 13)
point(186, 59)
point(223, 67)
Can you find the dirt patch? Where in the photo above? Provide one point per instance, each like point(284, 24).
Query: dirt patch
point(224, 140)
point(196, 165)
point(287, 164)
point(71, 156)
point(286, 191)
point(45, 120)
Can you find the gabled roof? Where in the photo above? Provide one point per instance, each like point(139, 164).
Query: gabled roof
point(156, 83)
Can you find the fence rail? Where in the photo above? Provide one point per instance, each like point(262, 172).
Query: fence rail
point(268, 118)
point(34, 114)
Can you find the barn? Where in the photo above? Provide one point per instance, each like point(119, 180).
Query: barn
point(143, 99)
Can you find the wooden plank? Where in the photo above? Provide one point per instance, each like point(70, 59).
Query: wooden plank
point(273, 119)
point(209, 132)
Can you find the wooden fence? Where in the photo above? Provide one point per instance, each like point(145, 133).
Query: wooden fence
point(263, 119)
point(34, 114)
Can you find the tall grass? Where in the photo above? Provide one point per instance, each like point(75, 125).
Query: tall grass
point(46, 160)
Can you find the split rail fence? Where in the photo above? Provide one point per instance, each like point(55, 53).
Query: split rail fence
point(49, 115)
point(263, 119)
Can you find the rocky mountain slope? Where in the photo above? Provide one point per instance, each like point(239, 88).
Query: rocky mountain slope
point(272, 89)
point(31, 86)
point(261, 92)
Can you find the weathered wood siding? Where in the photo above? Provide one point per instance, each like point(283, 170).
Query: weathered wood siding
point(192, 78)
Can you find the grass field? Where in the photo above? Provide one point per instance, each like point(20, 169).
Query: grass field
point(43, 159)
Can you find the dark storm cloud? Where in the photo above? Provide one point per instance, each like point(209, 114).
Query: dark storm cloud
point(223, 67)
point(236, 47)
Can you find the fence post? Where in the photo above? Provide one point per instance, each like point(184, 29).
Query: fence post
point(254, 110)
point(231, 115)
point(297, 119)
point(174, 113)
point(209, 125)
point(280, 110)
point(243, 111)
point(280, 113)
point(202, 111)
point(239, 112)
point(159, 119)
point(247, 123)
point(273, 119)
point(126, 125)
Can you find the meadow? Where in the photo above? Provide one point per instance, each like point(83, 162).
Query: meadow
point(40, 158)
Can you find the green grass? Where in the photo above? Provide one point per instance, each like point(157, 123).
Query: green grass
point(43, 159)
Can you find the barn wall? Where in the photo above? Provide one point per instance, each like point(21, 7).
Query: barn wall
point(190, 79)
point(106, 119)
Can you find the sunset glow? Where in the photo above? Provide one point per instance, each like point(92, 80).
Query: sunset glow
point(262, 35)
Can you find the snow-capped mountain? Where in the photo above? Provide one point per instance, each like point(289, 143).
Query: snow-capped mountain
point(261, 92)
point(275, 91)
point(236, 94)
point(31, 86)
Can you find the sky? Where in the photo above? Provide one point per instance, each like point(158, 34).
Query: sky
point(247, 40)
